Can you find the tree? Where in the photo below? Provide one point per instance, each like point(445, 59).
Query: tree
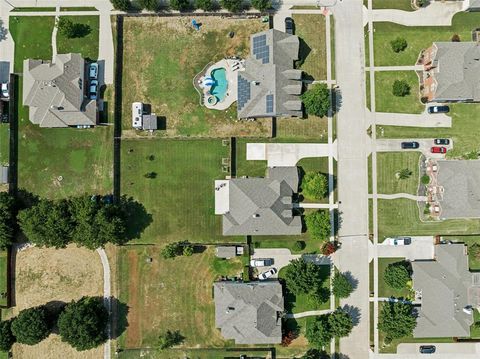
point(314, 185)
point(425, 179)
point(6, 336)
point(299, 245)
point(455, 38)
point(31, 326)
point(315, 354)
point(122, 5)
point(7, 219)
point(83, 323)
point(47, 223)
point(340, 322)
point(399, 44)
point(404, 173)
point(396, 320)
point(318, 224)
point(261, 5)
point(319, 333)
point(317, 100)
point(397, 275)
point(341, 286)
point(65, 27)
point(169, 339)
point(400, 88)
point(150, 5)
point(187, 250)
point(303, 277)
point(205, 5)
point(180, 5)
point(171, 250)
point(318, 295)
point(231, 5)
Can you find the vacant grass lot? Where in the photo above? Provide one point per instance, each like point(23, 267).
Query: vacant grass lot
point(312, 128)
point(388, 164)
point(181, 198)
point(418, 38)
point(3, 277)
point(161, 58)
point(383, 289)
point(463, 130)
point(400, 217)
point(87, 45)
point(386, 101)
point(310, 29)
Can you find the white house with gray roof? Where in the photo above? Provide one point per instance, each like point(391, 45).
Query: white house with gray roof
point(249, 313)
point(55, 92)
point(446, 289)
point(259, 206)
point(269, 85)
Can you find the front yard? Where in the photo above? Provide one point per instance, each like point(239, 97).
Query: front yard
point(383, 289)
point(87, 45)
point(389, 164)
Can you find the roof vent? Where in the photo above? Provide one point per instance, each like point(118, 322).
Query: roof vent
point(256, 215)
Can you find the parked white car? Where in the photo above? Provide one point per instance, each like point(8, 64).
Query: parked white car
point(399, 241)
point(261, 262)
point(5, 92)
point(267, 274)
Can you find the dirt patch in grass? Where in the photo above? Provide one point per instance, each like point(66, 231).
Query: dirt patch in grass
point(43, 275)
point(133, 334)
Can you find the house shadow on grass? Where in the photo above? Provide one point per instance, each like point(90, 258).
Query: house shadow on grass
point(119, 317)
point(137, 217)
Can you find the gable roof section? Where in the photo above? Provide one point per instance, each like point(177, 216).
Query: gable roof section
point(445, 285)
point(269, 80)
point(249, 313)
point(55, 92)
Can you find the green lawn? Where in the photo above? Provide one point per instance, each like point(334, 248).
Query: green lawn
point(4, 143)
point(383, 289)
point(181, 198)
point(385, 101)
point(3, 276)
point(33, 9)
point(418, 38)
point(463, 131)
point(87, 45)
point(390, 4)
point(311, 245)
point(401, 217)
point(78, 8)
point(475, 329)
point(33, 38)
point(302, 303)
point(310, 28)
point(388, 164)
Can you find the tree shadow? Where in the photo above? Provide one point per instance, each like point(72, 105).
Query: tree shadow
point(337, 220)
point(336, 99)
point(303, 53)
point(353, 281)
point(3, 31)
point(54, 308)
point(81, 30)
point(354, 313)
point(26, 199)
point(137, 217)
point(198, 249)
point(119, 318)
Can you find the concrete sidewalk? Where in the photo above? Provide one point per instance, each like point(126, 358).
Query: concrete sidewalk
point(396, 68)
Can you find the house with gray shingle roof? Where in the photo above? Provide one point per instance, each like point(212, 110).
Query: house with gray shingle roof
point(451, 72)
point(269, 85)
point(249, 313)
point(447, 289)
point(259, 206)
point(55, 92)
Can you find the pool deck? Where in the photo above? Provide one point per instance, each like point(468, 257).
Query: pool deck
point(231, 75)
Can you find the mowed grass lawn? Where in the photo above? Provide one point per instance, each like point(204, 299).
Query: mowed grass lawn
point(3, 276)
point(310, 28)
point(388, 164)
point(4, 143)
point(401, 217)
point(418, 38)
point(390, 4)
point(161, 58)
point(87, 45)
point(386, 101)
point(181, 199)
point(383, 289)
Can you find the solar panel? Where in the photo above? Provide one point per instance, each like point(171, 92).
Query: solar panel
point(269, 103)
point(243, 92)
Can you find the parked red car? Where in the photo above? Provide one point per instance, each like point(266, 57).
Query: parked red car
point(438, 149)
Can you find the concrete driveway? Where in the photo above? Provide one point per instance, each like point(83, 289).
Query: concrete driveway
point(281, 258)
point(413, 120)
point(394, 145)
point(420, 248)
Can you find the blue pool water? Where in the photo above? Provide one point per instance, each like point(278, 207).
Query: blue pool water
point(219, 89)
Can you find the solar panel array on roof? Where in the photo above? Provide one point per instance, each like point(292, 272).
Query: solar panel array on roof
point(269, 100)
point(260, 49)
point(243, 92)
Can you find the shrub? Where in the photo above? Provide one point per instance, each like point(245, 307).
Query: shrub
point(261, 5)
point(341, 286)
point(397, 275)
point(7, 219)
point(122, 5)
point(399, 44)
point(169, 339)
point(188, 250)
point(318, 224)
point(329, 248)
point(314, 185)
point(231, 5)
point(31, 326)
point(404, 173)
point(317, 100)
point(150, 175)
point(150, 5)
point(6, 336)
point(205, 5)
point(400, 88)
point(171, 250)
point(299, 245)
point(180, 5)
point(287, 338)
point(425, 179)
point(455, 38)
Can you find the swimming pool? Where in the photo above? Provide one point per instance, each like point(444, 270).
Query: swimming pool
point(219, 89)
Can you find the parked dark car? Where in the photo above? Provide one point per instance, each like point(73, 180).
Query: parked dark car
point(442, 141)
point(438, 109)
point(438, 149)
point(289, 25)
point(93, 89)
point(410, 145)
point(427, 349)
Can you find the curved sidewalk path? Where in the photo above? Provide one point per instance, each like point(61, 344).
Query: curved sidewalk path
point(310, 313)
point(106, 299)
point(400, 195)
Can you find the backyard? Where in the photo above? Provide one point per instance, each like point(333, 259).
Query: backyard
point(389, 164)
point(162, 75)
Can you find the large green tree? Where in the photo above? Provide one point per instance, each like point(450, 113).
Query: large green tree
point(47, 223)
point(318, 224)
point(205, 5)
point(261, 5)
point(180, 5)
point(150, 5)
point(6, 336)
point(315, 354)
point(396, 320)
point(31, 325)
point(397, 275)
point(123, 5)
point(319, 333)
point(341, 323)
point(314, 185)
point(341, 286)
point(302, 276)
point(317, 100)
point(7, 219)
point(82, 323)
point(232, 5)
